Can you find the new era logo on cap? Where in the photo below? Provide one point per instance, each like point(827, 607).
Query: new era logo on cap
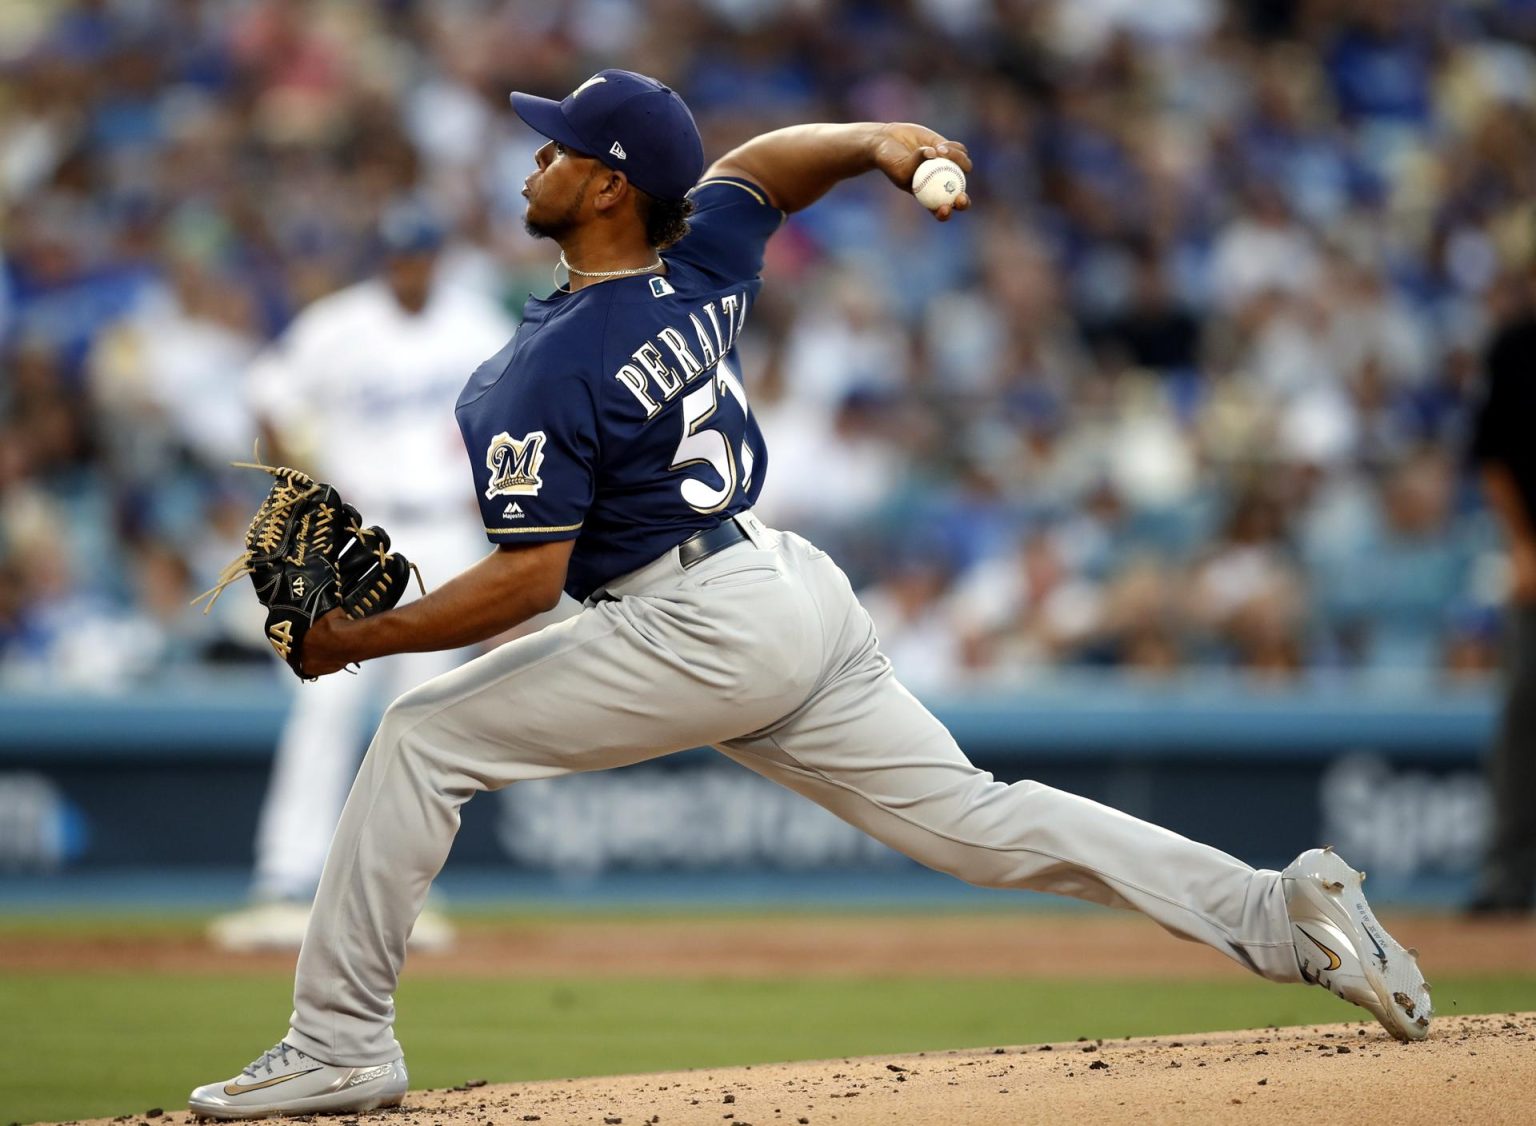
point(631, 123)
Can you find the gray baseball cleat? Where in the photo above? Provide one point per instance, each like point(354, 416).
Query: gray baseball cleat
point(283, 1080)
point(1341, 946)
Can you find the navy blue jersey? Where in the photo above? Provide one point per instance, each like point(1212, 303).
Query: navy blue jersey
point(616, 416)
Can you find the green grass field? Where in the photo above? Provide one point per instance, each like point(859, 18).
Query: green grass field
point(95, 1044)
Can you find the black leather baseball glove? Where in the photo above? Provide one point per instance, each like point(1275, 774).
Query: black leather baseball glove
point(308, 553)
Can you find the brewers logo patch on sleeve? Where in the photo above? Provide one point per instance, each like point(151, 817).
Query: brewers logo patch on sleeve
point(531, 434)
point(514, 464)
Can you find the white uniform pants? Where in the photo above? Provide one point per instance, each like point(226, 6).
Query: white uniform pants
point(762, 651)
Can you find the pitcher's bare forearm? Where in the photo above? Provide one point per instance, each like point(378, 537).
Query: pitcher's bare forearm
point(505, 589)
point(798, 165)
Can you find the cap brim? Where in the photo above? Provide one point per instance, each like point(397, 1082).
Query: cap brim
point(545, 117)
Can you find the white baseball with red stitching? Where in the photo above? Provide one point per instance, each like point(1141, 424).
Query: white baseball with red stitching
point(937, 182)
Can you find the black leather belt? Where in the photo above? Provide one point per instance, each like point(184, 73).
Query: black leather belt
point(701, 545)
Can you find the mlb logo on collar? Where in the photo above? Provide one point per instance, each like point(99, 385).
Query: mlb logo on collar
point(660, 287)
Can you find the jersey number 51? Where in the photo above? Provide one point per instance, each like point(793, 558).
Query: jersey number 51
point(703, 445)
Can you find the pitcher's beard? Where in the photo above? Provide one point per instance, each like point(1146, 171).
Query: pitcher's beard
point(559, 226)
point(550, 229)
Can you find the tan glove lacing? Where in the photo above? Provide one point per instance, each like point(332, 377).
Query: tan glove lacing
point(267, 524)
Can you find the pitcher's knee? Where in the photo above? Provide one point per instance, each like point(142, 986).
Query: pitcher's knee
point(405, 713)
point(401, 730)
point(973, 861)
point(984, 868)
point(417, 734)
point(979, 839)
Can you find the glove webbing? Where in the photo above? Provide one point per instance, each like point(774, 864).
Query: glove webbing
point(293, 485)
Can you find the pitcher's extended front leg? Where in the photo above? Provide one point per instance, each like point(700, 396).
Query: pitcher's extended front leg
point(867, 750)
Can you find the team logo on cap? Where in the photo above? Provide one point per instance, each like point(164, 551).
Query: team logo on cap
point(514, 464)
point(593, 81)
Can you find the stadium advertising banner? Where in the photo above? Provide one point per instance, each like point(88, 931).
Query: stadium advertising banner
point(177, 781)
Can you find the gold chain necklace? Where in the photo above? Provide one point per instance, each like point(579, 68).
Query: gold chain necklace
point(603, 275)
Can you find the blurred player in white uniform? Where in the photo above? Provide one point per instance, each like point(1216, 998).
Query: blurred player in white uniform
point(360, 392)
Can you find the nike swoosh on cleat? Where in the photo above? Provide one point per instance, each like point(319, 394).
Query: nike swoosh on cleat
point(1380, 953)
point(242, 1088)
point(1333, 959)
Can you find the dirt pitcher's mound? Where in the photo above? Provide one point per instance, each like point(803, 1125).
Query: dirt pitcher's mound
point(1478, 1069)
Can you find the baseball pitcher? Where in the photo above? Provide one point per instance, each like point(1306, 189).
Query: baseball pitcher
point(615, 456)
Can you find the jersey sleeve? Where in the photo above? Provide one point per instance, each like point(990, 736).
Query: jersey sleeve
point(731, 224)
point(534, 458)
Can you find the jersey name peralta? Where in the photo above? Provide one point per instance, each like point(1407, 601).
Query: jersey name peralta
point(617, 416)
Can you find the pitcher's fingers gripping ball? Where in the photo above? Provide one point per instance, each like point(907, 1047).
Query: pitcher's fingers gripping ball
point(307, 553)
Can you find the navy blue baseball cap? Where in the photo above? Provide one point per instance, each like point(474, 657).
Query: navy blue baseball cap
point(631, 123)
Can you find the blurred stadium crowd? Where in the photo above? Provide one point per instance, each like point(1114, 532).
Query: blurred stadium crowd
point(1188, 387)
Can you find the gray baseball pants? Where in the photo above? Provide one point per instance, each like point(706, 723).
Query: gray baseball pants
point(762, 651)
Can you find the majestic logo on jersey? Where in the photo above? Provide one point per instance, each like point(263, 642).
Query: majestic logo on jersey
point(513, 511)
point(593, 81)
point(514, 465)
point(618, 151)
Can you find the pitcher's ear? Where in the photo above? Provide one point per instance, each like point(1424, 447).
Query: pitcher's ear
point(614, 190)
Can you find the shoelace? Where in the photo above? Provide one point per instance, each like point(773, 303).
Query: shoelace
point(278, 1052)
